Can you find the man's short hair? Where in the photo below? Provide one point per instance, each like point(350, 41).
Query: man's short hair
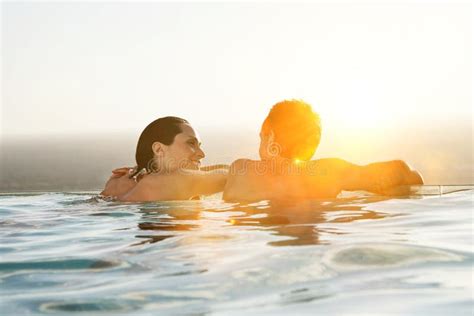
point(296, 127)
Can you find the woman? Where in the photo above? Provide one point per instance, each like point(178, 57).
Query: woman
point(168, 157)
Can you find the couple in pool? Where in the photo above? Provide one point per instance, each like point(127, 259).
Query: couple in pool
point(169, 152)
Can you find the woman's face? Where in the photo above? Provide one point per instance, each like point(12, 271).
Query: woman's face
point(184, 153)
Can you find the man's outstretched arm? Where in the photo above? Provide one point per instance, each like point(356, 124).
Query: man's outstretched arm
point(380, 177)
point(179, 185)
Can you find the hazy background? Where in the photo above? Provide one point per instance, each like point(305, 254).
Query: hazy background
point(80, 80)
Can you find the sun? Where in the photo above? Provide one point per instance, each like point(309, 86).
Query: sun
point(361, 105)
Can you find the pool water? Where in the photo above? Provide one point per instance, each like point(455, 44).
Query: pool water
point(73, 253)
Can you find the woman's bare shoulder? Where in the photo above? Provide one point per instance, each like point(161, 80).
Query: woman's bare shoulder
point(147, 189)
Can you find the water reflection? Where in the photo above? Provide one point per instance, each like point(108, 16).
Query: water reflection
point(301, 222)
point(167, 220)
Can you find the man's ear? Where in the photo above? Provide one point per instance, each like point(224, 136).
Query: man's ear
point(157, 149)
point(271, 136)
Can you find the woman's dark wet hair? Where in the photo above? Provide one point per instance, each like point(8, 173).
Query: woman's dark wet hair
point(162, 130)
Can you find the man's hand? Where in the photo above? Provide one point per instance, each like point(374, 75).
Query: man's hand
point(117, 173)
point(119, 183)
point(391, 177)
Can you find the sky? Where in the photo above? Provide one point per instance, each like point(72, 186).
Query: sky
point(89, 68)
point(81, 79)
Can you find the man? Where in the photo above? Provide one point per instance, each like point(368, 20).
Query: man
point(288, 139)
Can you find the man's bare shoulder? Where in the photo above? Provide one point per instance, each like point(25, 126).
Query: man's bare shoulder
point(240, 182)
point(239, 164)
point(244, 168)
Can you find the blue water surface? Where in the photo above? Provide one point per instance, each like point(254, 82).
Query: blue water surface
point(73, 253)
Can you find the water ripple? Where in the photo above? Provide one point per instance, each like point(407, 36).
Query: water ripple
point(67, 253)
